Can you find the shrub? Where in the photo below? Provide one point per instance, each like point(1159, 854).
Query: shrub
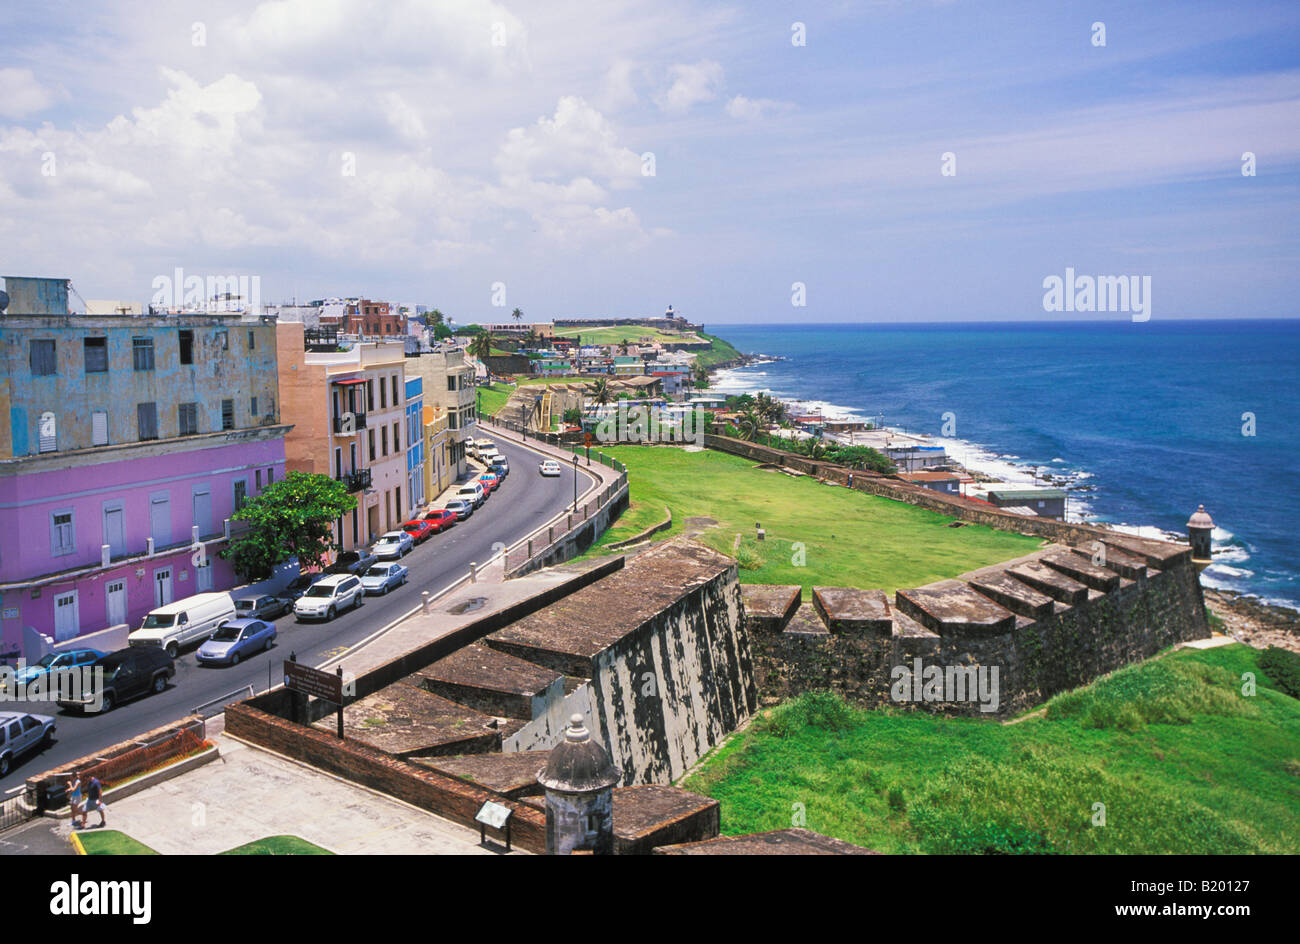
point(1283, 667)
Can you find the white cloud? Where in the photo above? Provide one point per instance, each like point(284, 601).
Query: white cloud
point(21, 94)
point(616, 89)
point(691, 85)
point(751, 109)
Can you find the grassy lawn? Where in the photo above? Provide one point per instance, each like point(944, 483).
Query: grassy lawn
point(719, 352)
point(849, 538)
point(618, 334)
point(1181, 759)
point(492, 398)
point(111, 842)
point(278, 845)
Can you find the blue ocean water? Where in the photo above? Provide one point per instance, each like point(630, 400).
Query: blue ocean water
point(1140, 421)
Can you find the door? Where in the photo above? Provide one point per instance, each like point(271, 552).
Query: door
point(203, 577)
point(160, 520)
point(162, 586)
point(115, 530)
point(66, 622)
point(115, 599)
point(203, 511)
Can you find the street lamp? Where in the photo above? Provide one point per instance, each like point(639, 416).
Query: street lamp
point(575, 483)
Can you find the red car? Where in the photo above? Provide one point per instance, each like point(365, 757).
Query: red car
point(441, 519)
point(420, 530)
point(490, 481)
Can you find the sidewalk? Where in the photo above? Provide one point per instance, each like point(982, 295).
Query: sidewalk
point(250, 794)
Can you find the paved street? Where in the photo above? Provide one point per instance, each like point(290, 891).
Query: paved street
point(524, 502)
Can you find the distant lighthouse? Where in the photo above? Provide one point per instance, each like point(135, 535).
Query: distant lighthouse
point(1199, 528)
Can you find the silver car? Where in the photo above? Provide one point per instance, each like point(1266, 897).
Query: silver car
point(20, 733)
point(381, 578)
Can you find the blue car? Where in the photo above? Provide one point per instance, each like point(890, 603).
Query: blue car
point(68, 659)
point(234, 640)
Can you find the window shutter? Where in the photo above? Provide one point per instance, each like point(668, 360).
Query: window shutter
point(99, 428)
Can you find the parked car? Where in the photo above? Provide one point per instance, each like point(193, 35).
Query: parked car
point(473, 492)
point(127, 673)
point(298, 586)
point(549, 467)
point(441, 519)
point(236, 639)
point(383, 577)
point(461, 508)
point(184, 622)
point(352, 562)
point(490, 482)
point(328, 596)
point(420, 530)
point(20, 733)
point(68, 659)
point(502, 461)
point(262, 606)
point(392, 545)
point(499, 471)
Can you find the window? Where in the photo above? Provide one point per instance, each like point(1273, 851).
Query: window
point(383, 393)
point(270, 473)
point(146, 418)
point(372, 444)
point(227, 414)
point(96, 350)
point(187, 346)
point(395, 399)
point(370, 394)
point(451, 383)
point(47, 432)
point(398, 502)
point(383, 437)
point(223, 340)
point(63, 533)
point(397, 437)
point(40, 355)
point(99, 428)
point(241, 493)
point(142, 353)
point(258, 481)
point(189, 418)
point(252, 407)
point(252, 340)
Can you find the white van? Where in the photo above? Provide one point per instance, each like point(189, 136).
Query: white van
point(472, 493)
point(186, 621)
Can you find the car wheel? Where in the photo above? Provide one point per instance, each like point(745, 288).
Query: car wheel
point(266, 647)
point(48, 739)
point(331, 613)
point(106, 703)
point(159, 684)
point(4, 766)
point(172, 649)
point(234, 658)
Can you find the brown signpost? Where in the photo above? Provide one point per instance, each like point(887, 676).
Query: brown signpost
point(315, 683)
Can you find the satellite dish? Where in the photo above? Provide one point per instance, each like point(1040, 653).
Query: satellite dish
point(4, 301)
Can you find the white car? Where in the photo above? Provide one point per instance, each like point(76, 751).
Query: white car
point(327, 597)
point(381, 578)
point(392, 545)
point(549, 467)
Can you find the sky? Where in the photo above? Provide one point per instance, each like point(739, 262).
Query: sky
point(575, 159)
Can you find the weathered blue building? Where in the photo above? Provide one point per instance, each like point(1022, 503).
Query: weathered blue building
point(415, 439)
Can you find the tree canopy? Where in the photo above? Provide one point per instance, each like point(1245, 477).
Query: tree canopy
point(290, 518)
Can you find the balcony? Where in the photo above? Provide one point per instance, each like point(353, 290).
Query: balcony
point(357, 480)
point(357, 420)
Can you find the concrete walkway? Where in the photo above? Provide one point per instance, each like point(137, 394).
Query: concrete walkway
point(251, 794)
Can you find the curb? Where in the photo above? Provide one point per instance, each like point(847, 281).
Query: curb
point(77, 847)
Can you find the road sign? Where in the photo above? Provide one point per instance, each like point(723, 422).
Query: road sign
point(314, 682)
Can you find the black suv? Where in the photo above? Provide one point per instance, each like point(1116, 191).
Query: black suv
point(126, 674)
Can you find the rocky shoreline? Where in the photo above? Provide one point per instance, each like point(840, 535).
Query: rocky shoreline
point(1254, 622)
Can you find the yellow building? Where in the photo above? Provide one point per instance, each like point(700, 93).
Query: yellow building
point(439, 470)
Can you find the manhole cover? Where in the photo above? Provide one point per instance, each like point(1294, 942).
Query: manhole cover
point(469, 606)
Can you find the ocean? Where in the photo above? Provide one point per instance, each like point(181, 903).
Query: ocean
point(1141, 421)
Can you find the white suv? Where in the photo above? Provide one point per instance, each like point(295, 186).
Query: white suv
point(328, 596)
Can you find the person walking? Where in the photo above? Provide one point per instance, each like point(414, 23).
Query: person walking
point(94, 801)
point(74, 795)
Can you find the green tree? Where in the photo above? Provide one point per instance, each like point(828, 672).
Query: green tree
point(434, 317)
point(600, 391)
point(441, 332)
point(481, 346)
point(701, 377)
point(517, 314)
point(750, 424)
point(291, 518)
point(623, 346)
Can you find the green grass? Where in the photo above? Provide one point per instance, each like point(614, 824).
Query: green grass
point(278, 845)
point(719, 351)
point(1181, 759)
point(111, 842)
point(114, 842)
point(492, 398)
point(848, 538)
point(618, 334)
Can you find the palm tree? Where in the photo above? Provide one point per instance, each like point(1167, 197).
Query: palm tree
point(531, 337)
point(600, 391)
point(481, 346)
point(434, 317)
point(749, 424)
point(701, 375)
point(623, 347)
point(814, 448)
point(517, 315)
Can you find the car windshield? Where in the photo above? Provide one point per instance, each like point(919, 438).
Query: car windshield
point(377, 572)
point(226, 634)
point(385, 540)
point(46, 661)
point(158, 621)
point(243, 604)
point(320, 590)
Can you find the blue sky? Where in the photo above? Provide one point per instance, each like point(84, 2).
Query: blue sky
point(504, 142)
